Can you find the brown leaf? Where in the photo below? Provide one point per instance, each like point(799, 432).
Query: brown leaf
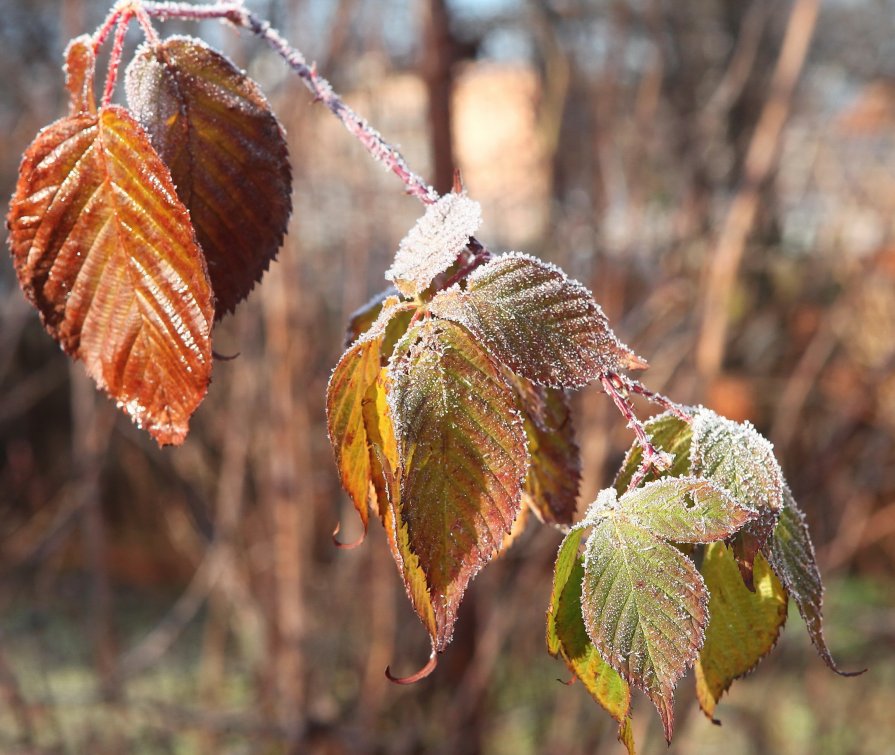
point(227, 153)
point(105, 251)
point(463, 459)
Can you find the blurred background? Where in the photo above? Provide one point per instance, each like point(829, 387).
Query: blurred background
point(721, 173)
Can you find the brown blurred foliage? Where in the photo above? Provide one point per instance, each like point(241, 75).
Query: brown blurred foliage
point(728, 199)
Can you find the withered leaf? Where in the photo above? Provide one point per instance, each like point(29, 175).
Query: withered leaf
point(104, 249)
point(227, 154)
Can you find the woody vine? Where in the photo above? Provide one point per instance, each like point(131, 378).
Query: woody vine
point(134, 229)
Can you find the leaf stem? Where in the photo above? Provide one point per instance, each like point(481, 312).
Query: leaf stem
point(635, 386)
point(322, 90)
point(616, 388)
point(124, 20)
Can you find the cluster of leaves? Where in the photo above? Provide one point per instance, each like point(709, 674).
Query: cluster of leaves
point(449, 411)
point(133, 229)
point(718, 535)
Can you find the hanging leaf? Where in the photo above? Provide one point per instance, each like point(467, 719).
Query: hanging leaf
point(227, 154)
point(743, 628)
point(668, 433)
point(462, 454)
point(554, 473)
point(434, 243)
point(644, 608)
point(80, 67)
point(105, 251)
point(542, 325)
point(791, 555)
point(740, 460)
point(685, 510)
point(350, 386)
point(567, 639)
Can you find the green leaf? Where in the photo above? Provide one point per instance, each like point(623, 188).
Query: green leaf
point(791, 555)
point(542, 325)
point(737, 458)
point(352, 384)
point(644, 607)
point(463, 459)
point(227, 154)
point(567, 639)
point(80, 68)
point(685, 510)
point(434, 243)
point(554, 473)
point(104, 249)
point(744, 626)
point(667, 432)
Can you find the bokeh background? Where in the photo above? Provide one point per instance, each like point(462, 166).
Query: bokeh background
point(721, 173)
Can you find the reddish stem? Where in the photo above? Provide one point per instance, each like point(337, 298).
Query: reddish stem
point(115, 57)
point(615, 388)
point(103, 32)
point(146, 24)
point(413, 678)
point(657, 398)
point(322, 90)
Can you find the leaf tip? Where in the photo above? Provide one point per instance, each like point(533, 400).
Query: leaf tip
point(419, 675)
point(348, 546)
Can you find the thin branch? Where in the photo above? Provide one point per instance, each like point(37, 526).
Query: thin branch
point(322, 90)
point(615, 388)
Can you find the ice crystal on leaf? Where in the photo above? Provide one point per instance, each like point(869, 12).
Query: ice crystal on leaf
point(543, 325)
point(434, 243)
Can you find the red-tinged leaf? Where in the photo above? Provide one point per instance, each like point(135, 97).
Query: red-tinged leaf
point(351, 385)
point(567, 639)
point(227, 153)
point(743, 628)
point(463, 459)
point(80, 68)
point(734, 456)
point(532, 318)
point(791, 555)
point(105, 251)
point(554, 472)
point(685, 510)
point(434, 243)
point(644, 607)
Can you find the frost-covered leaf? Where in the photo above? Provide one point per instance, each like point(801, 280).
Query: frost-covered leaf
point(791, 555)
point(349, 389)
point(434, 243)
point(668, 433)
point(685, 510)
point(227, 154)
point(80, 67)
point(462, 455)
point(567, 639)
point(644, 608)
point(104, 249)
point(554, 473)
point(541, 324)
point(737, 458)
point(744, 626)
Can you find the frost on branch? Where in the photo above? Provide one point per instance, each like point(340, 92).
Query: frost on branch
point(433, 244)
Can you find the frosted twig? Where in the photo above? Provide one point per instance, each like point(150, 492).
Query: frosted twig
point(124, 19)
point(640, 389)
point(615, 388)
point(322, 90)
